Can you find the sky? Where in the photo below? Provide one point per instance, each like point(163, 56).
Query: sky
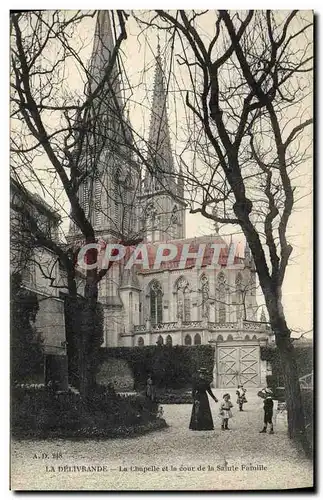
point(138, 60)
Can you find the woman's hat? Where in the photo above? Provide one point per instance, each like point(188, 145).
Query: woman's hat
point(226, 394)
point(202, 370)
point(268, 391)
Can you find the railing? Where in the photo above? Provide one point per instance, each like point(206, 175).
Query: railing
point(185, 325)
point(223, 326)
point(192, 324)
point(253, 326)
point(172, 325)
point(139, 328)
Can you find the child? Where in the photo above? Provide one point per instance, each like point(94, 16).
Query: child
point(267, 394)
point(225, 411)
point(241, 393)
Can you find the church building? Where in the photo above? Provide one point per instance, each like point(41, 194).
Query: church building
point(171, 305)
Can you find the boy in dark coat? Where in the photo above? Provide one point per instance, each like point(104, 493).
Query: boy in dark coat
point(267, 394)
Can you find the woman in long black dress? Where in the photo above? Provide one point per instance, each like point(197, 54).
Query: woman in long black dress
point(201, 418)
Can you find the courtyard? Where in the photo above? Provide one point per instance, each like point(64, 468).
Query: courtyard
point(172, 459)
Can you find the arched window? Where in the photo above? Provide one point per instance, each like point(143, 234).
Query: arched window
point(84, 196)
point(160, 340)
point(197, 339)
point(239, 296)
point(97, 201)
point(151, 221)
point(174, 217)
point(183, 299)
point(169, 340)
point(219, 338)
point(229, 337)
point(116, 194)
point(254, 337)
point(156, 303)
point(247, 337)
point(188, 340)
point(221, 296)
point(205, 296)
point(130, 308)
point(141, 341)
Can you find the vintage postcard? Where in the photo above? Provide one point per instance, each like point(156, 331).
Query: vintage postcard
point(161, 250)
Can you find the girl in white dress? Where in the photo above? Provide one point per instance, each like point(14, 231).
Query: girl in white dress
point(225, 411)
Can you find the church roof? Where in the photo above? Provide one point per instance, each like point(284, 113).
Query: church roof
point(194, 243)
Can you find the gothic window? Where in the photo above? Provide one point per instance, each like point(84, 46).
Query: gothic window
point(160, 340)
point(254, 337)
point(247, 337)
point(229, 337)
point(130, 308)
point(115, 202)
point(188, 340)
point(183, 300)
point(187, 306)
point(141, 341)
point(174, 216)
point(169, 340)
point(222, 315)
point(219, 338)
point(97, 201)
point(221, 297)
point(151, 221)
point(156, 303)
point(84, 197)
point(197, 339)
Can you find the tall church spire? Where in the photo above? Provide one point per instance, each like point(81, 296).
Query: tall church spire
point(103, 46)
point(159, 144)
point(105, 193)
point(163, 199)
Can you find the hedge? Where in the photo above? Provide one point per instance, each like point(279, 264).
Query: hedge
point(174, 396)
point(304, 360)
point(170, 366)
point(308, 407)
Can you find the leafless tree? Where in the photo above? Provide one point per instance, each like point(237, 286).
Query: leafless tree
point(58, 135)
point(247, 92)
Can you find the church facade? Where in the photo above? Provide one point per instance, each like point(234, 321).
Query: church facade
point(172, 305)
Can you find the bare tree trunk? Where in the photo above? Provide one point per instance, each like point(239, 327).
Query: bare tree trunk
point(89, 342)
point(296, 421)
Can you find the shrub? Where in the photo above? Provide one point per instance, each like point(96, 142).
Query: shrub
point(171, 367)
point(38, 411)
point(304, 360)
point(307, 400)
point(175, 396)
point(26, 344)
